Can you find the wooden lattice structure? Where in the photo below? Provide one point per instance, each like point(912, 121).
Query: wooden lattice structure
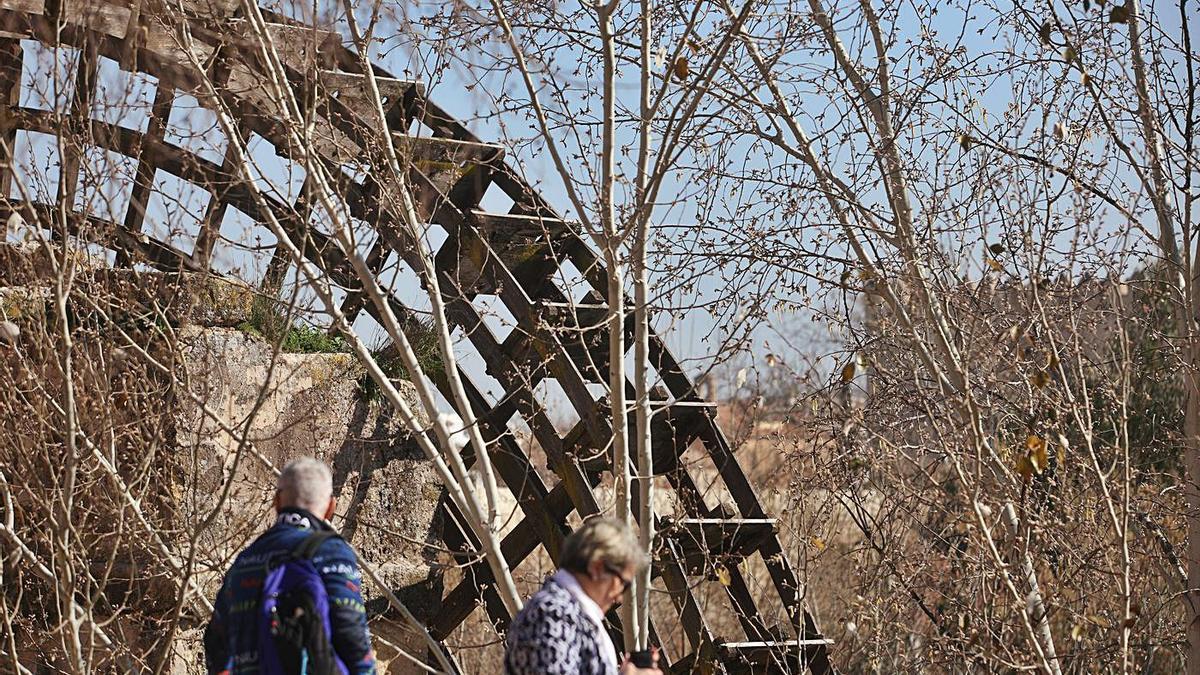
point(513, 256)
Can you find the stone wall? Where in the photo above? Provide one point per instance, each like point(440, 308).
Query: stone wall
point(210, 497)
point(311, 404)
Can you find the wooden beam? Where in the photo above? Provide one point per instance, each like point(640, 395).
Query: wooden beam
point(143, 182)
point(11, 61)
point(214, 214)
point(73, 145)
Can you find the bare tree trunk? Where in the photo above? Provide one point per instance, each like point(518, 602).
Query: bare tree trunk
point(616, 302)
point(65, 572)
point(641, 338)
point(1035, 606)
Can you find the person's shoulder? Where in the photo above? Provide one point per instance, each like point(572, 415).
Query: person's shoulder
point(334, 546)
point(335, 555)
point(552, 599)
point(265, 549)
point(551, 614)
point(281, 540)
point(552, 590)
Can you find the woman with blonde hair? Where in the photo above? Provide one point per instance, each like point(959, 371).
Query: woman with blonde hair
point(561, 630)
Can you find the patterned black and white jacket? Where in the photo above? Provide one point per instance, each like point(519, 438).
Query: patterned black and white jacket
point(554, 635)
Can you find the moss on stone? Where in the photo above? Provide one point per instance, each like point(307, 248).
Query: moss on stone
point(304, 339)
point(522, 254)
point(220, 302)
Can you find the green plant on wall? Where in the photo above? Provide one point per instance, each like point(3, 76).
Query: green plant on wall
point(269, 322)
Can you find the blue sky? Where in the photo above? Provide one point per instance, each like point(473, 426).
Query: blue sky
point(694, 334)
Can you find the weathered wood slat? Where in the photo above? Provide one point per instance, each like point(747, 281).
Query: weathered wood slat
point(764, 656)
point(10, 93)
point(703, 540)
point(103, 232)
point(672, 430)
point(679, 588)
point(539, 422)
point(747, 613)
point(458, 538)
point(771, 551)
point(103, 17)
point(210, 225)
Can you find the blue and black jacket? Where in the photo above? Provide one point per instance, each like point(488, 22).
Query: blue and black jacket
point(230, 640)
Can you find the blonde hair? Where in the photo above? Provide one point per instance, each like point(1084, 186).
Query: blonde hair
point(608, 540)
point(306, 483)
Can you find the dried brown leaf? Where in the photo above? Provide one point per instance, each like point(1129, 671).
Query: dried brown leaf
point(681, 69)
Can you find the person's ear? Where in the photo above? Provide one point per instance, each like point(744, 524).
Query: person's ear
point(275, 501)
point(332, 506)
point(595, 570)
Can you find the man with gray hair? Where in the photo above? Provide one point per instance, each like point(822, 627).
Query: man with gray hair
point(262, 623)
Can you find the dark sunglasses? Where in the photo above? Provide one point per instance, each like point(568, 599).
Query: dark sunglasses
point(625, 583)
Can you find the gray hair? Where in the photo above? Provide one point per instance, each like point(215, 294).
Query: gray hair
point(608, 540)
point(306, 483)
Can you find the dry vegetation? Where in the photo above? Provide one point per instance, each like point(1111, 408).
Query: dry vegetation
point(987, 463)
